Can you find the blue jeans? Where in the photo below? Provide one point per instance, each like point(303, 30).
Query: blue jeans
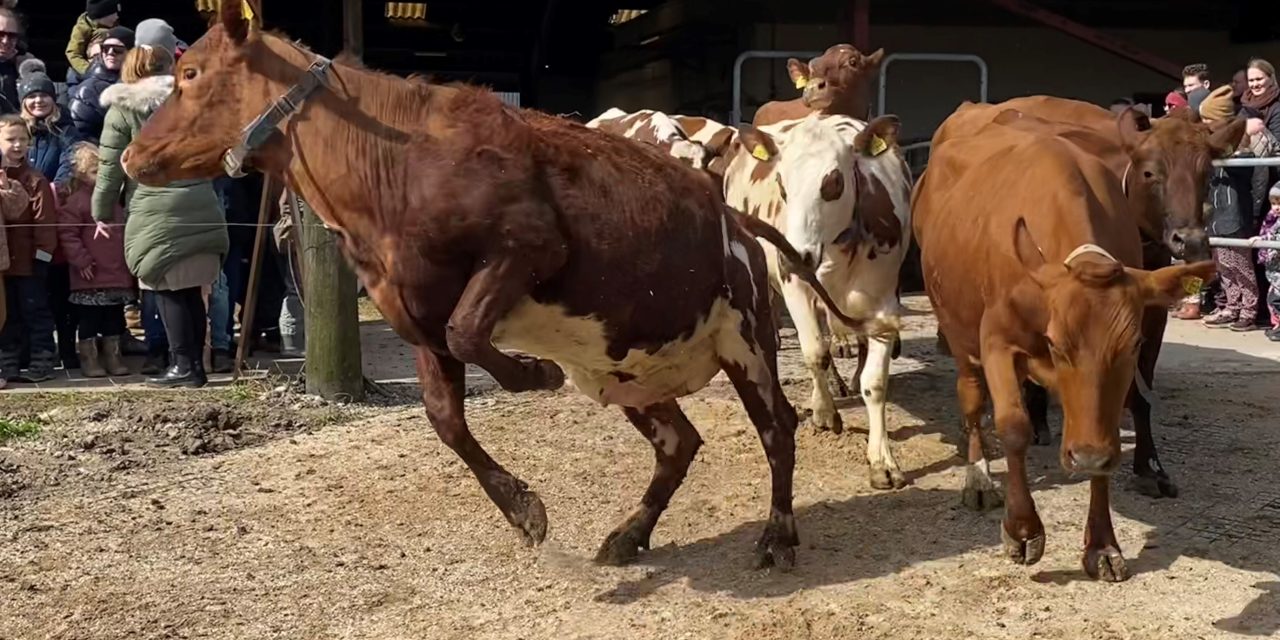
point(220, 314)
point(152, 327)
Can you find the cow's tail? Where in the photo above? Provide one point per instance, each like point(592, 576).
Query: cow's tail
point(767, 232)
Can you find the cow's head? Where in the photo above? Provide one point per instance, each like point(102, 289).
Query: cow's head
point(1091, 308)
point(216, 94)
point(1170, 162)
point(815, 168)
point(838, 80)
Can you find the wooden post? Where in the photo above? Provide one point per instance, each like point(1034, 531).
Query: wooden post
point(255, 275)
point(334, 370)
point(862, 25)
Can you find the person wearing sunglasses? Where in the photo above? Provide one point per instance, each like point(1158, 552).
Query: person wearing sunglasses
point(11, 56)
point(86, 111)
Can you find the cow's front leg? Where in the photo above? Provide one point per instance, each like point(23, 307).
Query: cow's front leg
point(493, 291)
point(814, 345)
point(1102, 558)
point(1022, 530)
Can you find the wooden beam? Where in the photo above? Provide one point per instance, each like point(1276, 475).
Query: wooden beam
point(1092, 36)
point(862, 25)
point(334, 369)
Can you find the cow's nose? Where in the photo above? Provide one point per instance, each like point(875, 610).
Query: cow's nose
point(1090, 459)
point(810, 258)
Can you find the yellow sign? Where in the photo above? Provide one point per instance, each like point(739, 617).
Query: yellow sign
point(760, 152)
point(877, 146)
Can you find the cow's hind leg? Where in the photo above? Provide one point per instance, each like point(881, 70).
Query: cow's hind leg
point(1036, 398)
point(883, 472)
point(675, 442)
point(801, 304)
point(980, 491)
point(443, 387)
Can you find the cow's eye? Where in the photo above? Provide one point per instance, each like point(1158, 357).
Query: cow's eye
point(190, 73)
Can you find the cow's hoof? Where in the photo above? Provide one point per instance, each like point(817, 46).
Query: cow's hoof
point(1106, 564)
point(829, 422)
point(622, 547)
point(885, 477)
point(981, 499)
point(551, 376)
point(1154, 485)
point(1025, 552)
point(777, 545)
point(529, 517)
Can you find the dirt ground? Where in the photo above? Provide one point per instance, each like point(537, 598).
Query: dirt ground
point(254, 513)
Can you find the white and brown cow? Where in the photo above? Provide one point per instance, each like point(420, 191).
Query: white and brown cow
point(840, 191)
point(652, 127)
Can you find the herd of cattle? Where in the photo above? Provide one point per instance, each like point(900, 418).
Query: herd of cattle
point(1047, 227)
point(629, 261)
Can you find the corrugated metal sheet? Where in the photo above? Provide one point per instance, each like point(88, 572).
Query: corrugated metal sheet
point(406, 10)
point(624, 15)
point(509, 97)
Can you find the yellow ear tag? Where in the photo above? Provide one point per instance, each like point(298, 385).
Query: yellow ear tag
point(760, 152)
point(877, 146)
point(802, 83)
point(1191, 285)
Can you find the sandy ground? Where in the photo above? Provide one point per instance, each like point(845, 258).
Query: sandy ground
point(237, 516)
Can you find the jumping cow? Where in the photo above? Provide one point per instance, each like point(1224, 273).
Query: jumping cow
point(1024, 238)
point(840, 191)
point(838, 82)
point(1163, 165)
point(477, 225)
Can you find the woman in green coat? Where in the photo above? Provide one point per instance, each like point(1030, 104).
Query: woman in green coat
point(175, 237)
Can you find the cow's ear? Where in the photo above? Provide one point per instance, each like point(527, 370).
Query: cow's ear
point(1133, 125)
point(1162, 287)
point(1227, 135)
point(758, 143)
point(1027, 251)
point(879, 135)
point(799, 72)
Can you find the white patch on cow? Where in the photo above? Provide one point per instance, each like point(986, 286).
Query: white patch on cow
point(666, 439)
point(612, 114)
point(579, 345)
point(740, 252)
point(977, 476)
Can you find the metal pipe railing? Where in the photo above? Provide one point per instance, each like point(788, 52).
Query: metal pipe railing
point(735, 117)
point(930, 57)
point(1248, 162)
point(1248, 243)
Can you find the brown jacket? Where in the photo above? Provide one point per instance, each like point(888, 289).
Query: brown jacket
point(13, 203)
point(36, 227)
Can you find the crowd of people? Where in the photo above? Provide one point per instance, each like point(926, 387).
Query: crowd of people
point(1244, 202)
point(88, 255)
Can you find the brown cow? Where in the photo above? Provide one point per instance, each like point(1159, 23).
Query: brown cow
point(1164, 166)
point(1023, 240)
point(838, 82)
point(474, 224)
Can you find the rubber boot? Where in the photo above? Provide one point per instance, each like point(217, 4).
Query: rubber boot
point(292, 345)
point(112, 359)
point(90, 366)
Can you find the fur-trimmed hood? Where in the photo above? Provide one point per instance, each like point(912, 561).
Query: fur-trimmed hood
point(143, 96)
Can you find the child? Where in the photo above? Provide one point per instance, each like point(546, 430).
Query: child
point(100, 281)
point(32, 237)
point(1270, 258)
point(13, 202)
point(99, 15)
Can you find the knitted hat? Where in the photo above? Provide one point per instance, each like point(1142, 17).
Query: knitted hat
point(154, 32)
point(123, 34)
point(1275, 191)
point(34, 78)
point(1175, 99)
point(99, 9)
point(1218, 106)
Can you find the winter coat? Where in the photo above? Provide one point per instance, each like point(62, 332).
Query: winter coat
point(38, 220)
point(13, 203)
point(1231, 196)
point(106, 255)
point(166, 225)
point(78, 44)
point(50, 148)
point(87, 111)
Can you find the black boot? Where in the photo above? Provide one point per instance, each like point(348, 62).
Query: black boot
point(183, 373)
point(224, 361)
point(156, 362)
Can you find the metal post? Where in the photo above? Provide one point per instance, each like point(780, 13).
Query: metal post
point(862, 24)
point(931, 57)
